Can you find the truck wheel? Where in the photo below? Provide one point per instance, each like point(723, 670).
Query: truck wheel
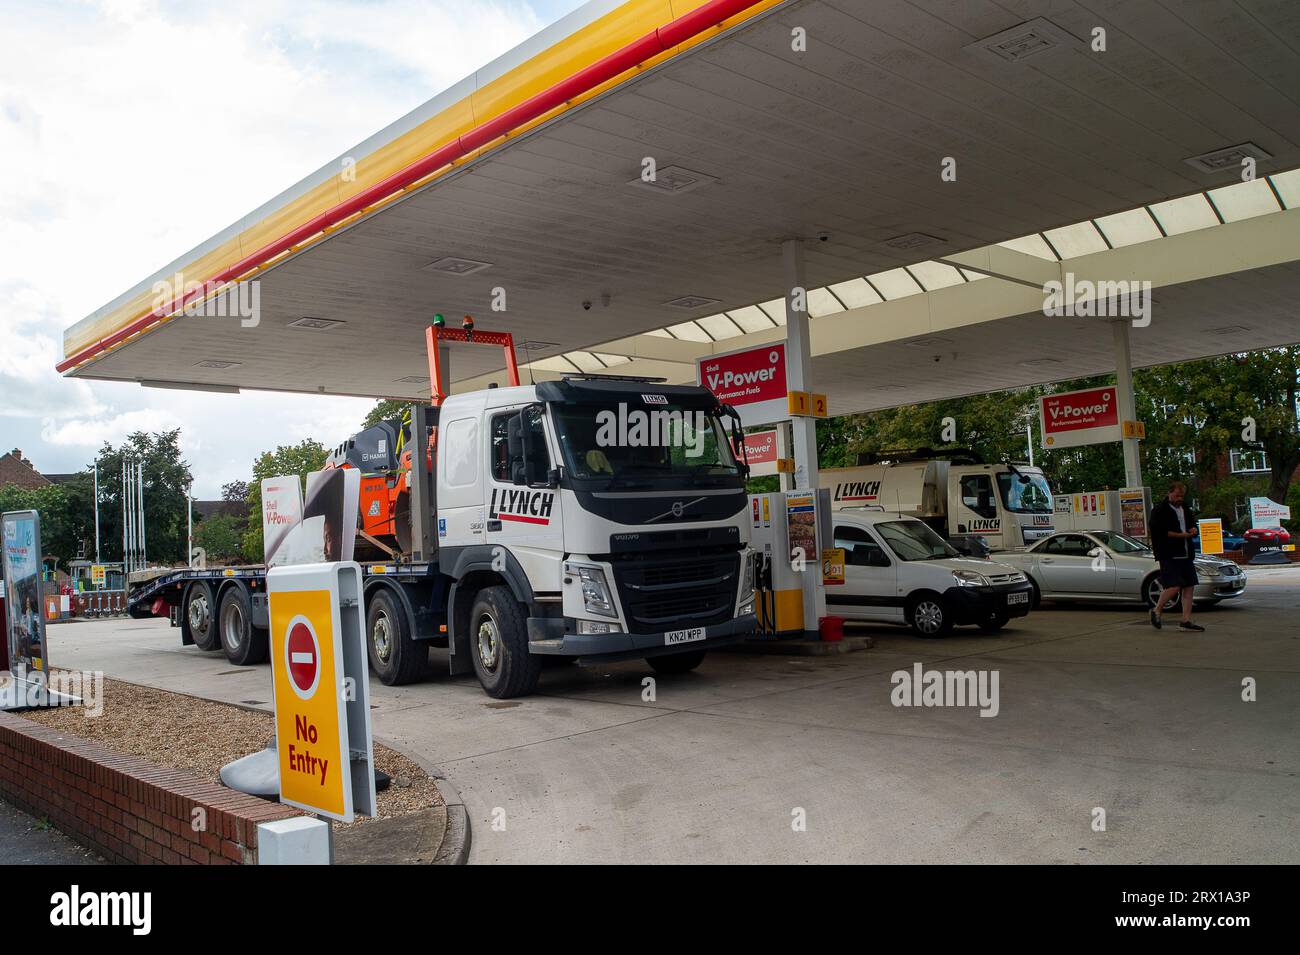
point(498, 645)
point(244, 644)
point(394, 657)
point(676, 662)
point(199, 615)
point(928, 615)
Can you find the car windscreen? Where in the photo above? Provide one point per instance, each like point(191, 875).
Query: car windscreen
point(912, 540)
point(1121, 544)
point(1025, 492)
point(620, 442)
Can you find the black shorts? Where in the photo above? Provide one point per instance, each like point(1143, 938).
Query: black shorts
point(1177, 572)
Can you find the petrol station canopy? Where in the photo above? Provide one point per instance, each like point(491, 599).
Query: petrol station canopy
point(527, 178)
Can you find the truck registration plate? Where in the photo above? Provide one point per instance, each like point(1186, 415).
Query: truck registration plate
point(1017, 598)
point(683, 636)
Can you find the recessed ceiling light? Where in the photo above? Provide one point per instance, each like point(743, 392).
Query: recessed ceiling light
point(1039, 362)
point(316, 324)
point(216, 363)
point(1023, 41)
point(414, 379)
point(928, 342)
point(913, 240)
point(1229, 330)
point(692, 301)
point(535, 346)
point(1228, 159)
point(450, 265)
point(673, 180)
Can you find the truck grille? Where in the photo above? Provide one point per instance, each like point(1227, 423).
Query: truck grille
point(673, 592)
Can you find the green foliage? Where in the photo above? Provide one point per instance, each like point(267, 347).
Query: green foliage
point(221, 537)
point(61, 526)
point(384, 410)
point(166, 483)
point(301, 459)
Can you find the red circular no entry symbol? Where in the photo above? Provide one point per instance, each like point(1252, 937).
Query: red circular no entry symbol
point(304, 658)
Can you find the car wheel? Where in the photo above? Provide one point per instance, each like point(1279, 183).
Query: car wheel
point(1036, 595)
point(994, 623)
point(928, 615)
point(1151, 590)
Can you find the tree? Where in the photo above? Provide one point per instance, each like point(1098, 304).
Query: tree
point(62, 527)
point(301, 459)
point(235, 491)
point(221, 537)
point(167, 481)
point(385, 410)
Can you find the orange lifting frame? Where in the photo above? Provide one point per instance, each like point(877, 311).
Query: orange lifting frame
point(434, 334)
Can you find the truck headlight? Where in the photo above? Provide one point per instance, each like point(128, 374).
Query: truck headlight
point(595, 591)
point(747, 578)
point(968, 578)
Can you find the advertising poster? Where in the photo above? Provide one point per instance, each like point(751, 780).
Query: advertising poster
point(801, 525)
point(1133, 512)
point(1268, 513)
point(1074, 418)
point(318, 529)
point(1211, 530)
point(833, 566)
point(24, 603)
point(761, 452)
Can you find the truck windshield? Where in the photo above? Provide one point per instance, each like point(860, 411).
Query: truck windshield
point(1025, 493)
point(912, 540)
point(631, 444)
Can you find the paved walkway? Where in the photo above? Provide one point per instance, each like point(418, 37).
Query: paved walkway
point(25, 841)
point(1096, 711)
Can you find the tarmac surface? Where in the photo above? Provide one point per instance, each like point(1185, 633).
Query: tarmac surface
point(1100, 720)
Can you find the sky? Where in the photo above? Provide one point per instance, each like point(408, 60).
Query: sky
point(133, 130)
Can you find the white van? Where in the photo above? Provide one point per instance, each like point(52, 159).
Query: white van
point(898, 570)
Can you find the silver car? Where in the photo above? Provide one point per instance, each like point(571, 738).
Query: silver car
point(1105, 566)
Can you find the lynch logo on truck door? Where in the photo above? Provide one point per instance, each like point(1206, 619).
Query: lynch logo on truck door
point(984, 525)
point(857, 491)
point(530, 507)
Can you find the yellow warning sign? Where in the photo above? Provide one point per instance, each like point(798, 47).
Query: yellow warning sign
point(309, 703)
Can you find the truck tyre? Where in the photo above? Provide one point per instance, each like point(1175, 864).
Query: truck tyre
point(244, 644)
point(928, 615)
point(394, 657)
point(199, 615)
point(672, 663)
point(498, 645)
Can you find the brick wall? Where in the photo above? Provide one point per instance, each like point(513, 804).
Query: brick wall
point(126, 808)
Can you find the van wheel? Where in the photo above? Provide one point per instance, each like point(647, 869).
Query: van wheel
point(199, 615)
point(1036, 596)
point(244, 644)
point(498, 641)
point(394, 657)
point(928, 615)
point(994, 623)
point(676, 662)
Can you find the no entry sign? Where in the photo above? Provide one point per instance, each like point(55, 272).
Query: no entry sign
point(322, 704)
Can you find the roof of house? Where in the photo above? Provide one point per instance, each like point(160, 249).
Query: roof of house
point(16, 469)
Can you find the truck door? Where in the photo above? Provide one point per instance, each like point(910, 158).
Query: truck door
point(870, 590)
point(523, 510)
point(460, 486)
point(976, 508)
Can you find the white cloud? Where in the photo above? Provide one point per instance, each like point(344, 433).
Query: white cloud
point(132, 130)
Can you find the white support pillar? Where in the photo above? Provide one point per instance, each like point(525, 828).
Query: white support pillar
point(803, 429)
point(1125, 402)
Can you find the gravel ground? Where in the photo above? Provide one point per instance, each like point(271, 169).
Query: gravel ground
point(185, 732)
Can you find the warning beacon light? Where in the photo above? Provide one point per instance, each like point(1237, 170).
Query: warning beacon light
point(468, 325)
point(438, 320)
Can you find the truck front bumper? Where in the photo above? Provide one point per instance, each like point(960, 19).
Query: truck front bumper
point(978, 604)
point(553, 636)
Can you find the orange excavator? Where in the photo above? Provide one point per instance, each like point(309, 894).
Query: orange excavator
point(384, 453)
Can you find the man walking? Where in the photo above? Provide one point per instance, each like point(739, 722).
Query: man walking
point(1172, 528)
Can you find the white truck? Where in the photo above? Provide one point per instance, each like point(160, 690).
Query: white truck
point(1006, 506)
point(555, 536)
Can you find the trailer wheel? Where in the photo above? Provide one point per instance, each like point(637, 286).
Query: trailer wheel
point(676, 662)
point(394, 657)
point(498, 638)
point(244, 644)
point(199, 615)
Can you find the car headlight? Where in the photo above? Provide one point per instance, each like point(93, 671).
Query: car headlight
point(1208, 569)
point(968, 578)
point(595, 591)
